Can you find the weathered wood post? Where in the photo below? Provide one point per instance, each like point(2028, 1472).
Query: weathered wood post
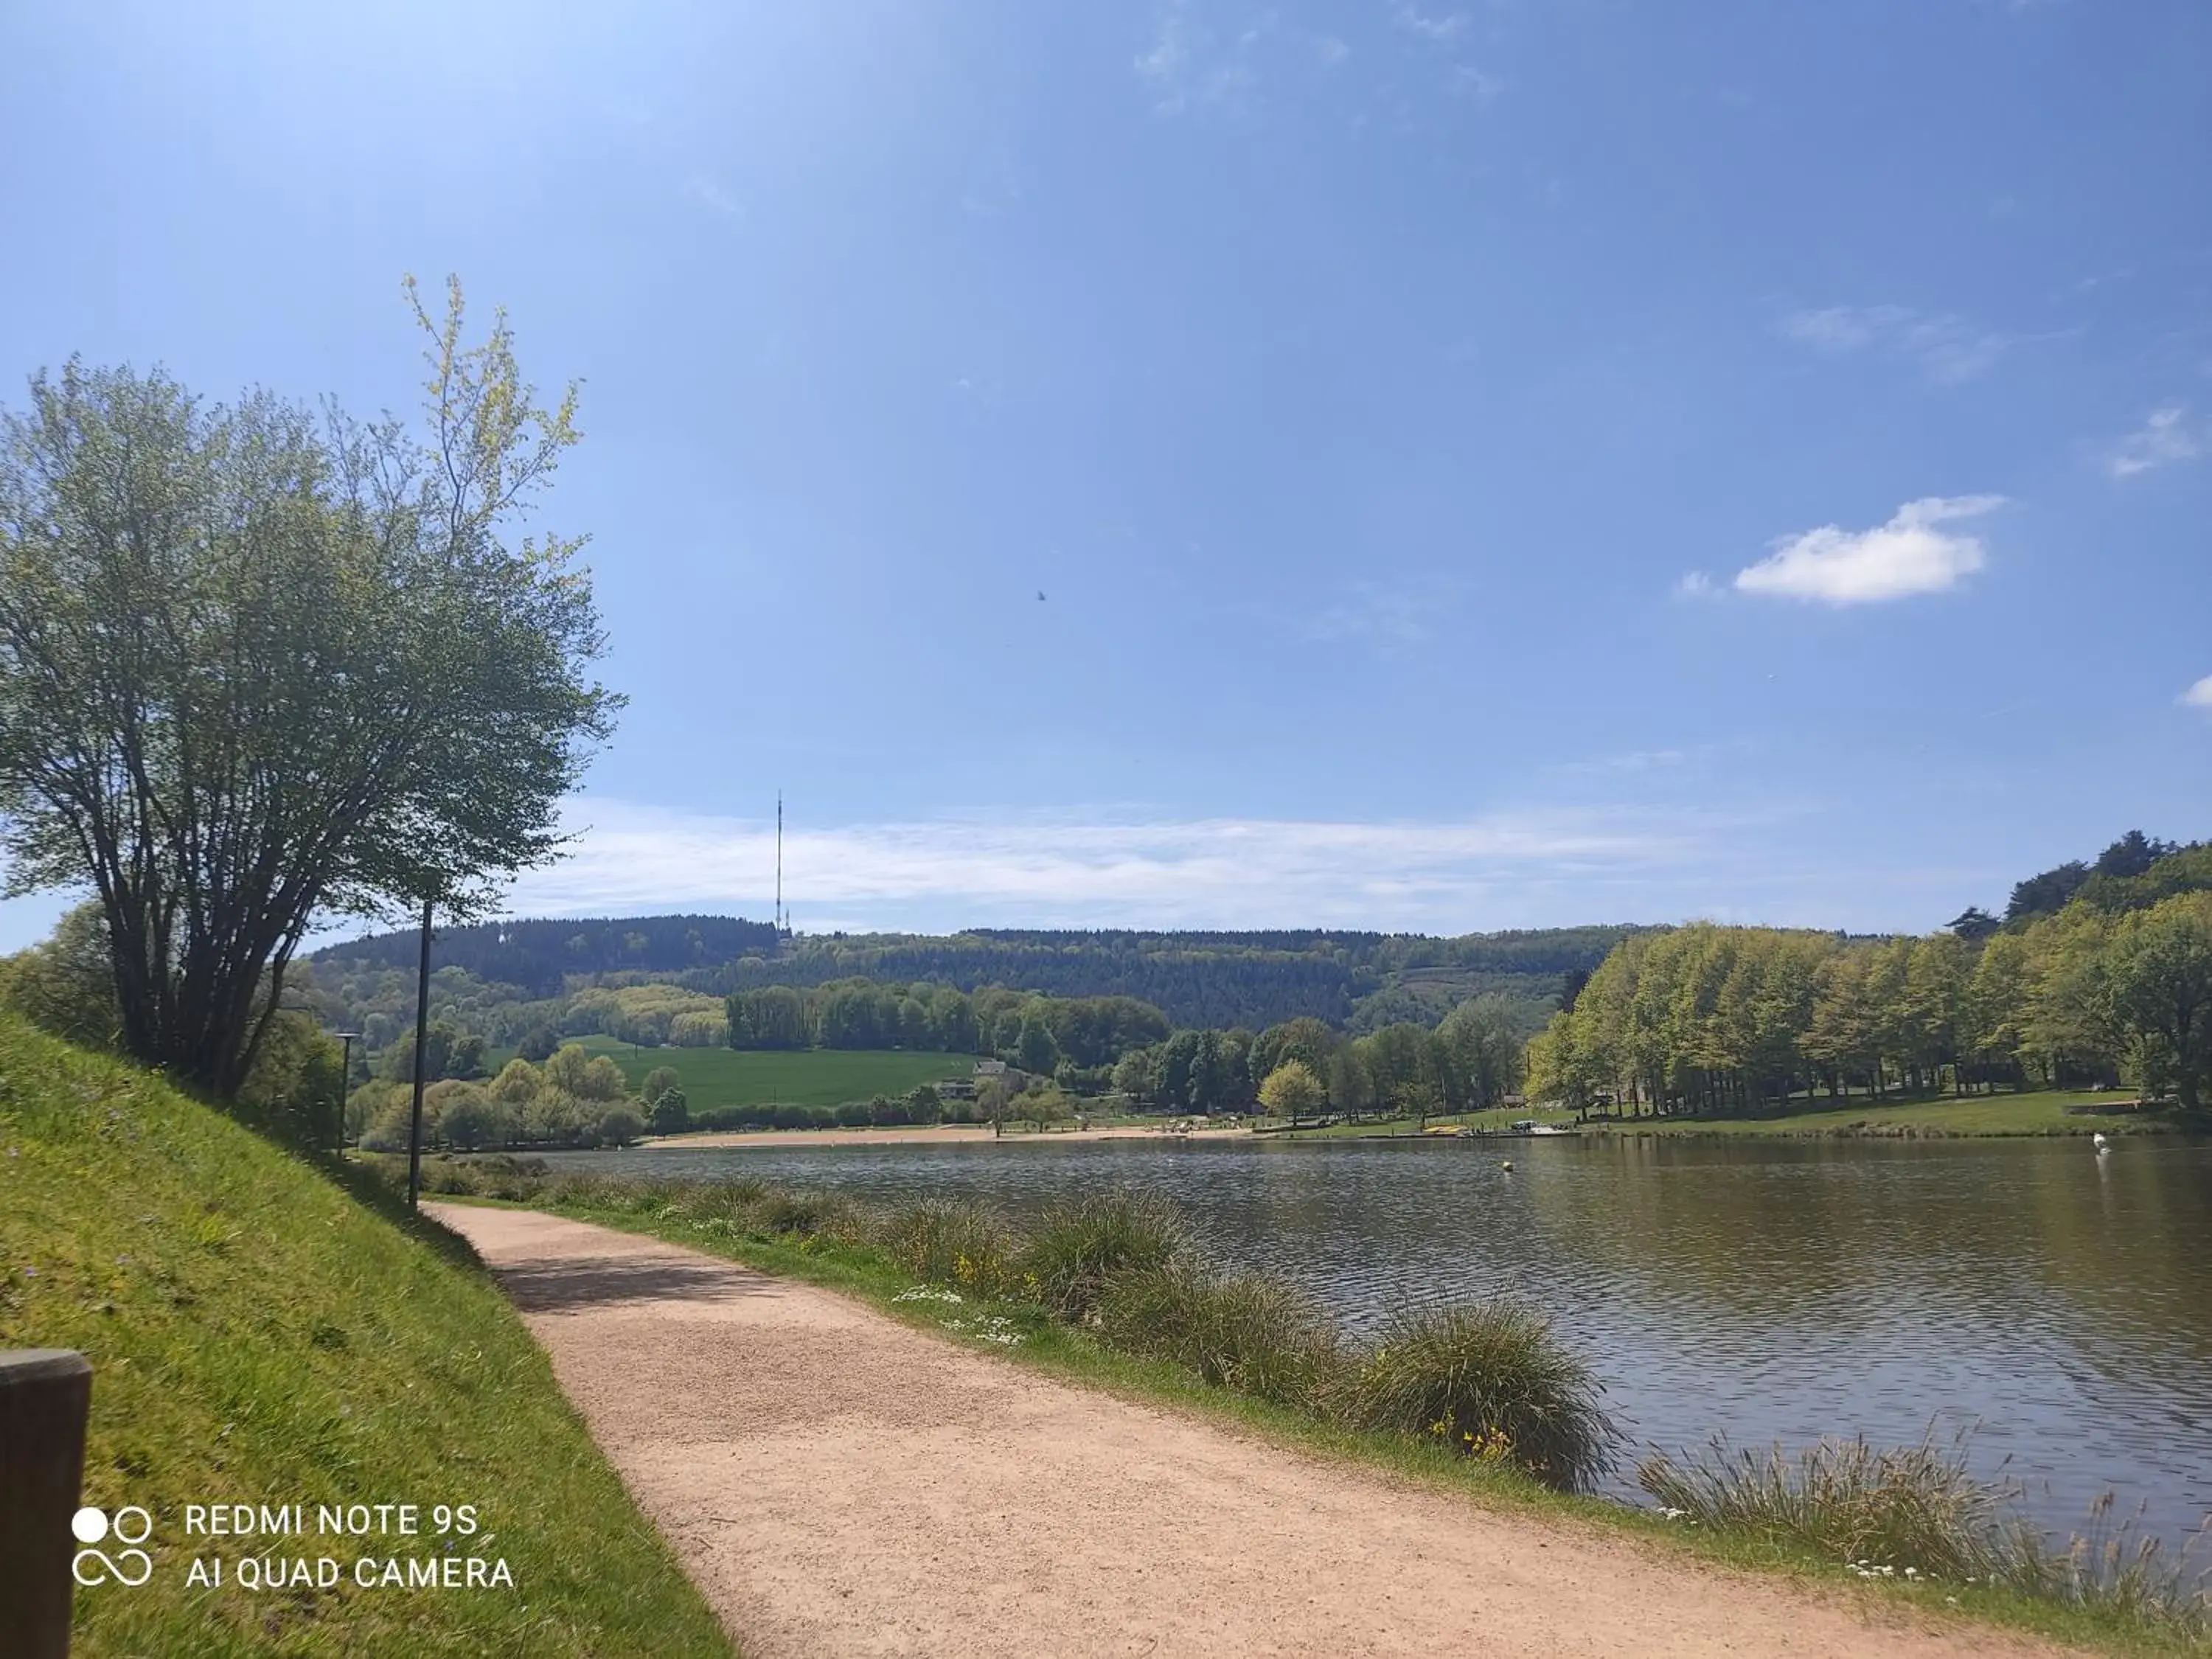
point(46, 1395)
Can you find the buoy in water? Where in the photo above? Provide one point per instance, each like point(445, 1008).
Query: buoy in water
point(1508, 1165)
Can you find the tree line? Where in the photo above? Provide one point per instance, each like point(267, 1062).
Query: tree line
point(1716, 1020)
point(1037, 1032)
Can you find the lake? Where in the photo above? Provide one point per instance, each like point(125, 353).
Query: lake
point(2057, 1302)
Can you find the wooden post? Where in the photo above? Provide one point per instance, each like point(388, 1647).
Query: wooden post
point(44, 1396)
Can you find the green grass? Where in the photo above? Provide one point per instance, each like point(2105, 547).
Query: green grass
point(2039, 1113)
point(2042, 1112)
point(759, 1077)
point(260, 1334)
point(848, 1263)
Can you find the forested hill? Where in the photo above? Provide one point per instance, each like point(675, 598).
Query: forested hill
point(1359, 981)
point(538, 955)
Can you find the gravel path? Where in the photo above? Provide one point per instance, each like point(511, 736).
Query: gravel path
point(837, 1483)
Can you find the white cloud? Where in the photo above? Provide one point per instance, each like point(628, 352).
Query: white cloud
point(2199, 695)
point(1100, 869)
point(1695, 585)
point(1946, 349)
point(2166, 437)
point(1911, 554)
point(1468, 81)
point(1442, 28)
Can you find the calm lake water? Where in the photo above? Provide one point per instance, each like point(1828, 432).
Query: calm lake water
point(2060, 1301)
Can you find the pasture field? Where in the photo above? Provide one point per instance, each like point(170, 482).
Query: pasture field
point(806, 1076)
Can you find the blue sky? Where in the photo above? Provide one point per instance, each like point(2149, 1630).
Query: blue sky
point(1492, 465)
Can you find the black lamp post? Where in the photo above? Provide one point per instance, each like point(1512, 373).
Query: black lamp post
point(345, 1078)
point(422, 1049)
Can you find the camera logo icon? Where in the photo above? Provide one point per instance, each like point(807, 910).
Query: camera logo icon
point(130, 1527)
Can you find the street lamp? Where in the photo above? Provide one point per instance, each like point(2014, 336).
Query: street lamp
point(345, 1078)
point(421, 1045)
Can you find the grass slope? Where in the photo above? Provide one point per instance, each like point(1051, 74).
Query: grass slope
point(807, 1077)
point(259, 1335)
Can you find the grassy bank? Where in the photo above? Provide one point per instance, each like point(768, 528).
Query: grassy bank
point(2041, 1113)
point(2044, 1112)
point(1247, 1354)
point(259, 1333)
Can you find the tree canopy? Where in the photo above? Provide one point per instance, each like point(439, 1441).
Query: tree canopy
point(260, 663)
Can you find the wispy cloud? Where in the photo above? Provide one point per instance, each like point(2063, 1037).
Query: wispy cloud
point(2199, 695)
point(1190, 67)
point(1443, 27)
point(1946, 349)
point(1389, 614)
point(1636, 761)
point(2167, 436)
point(1911, 554)
point(1106, 868)
point(705, 190)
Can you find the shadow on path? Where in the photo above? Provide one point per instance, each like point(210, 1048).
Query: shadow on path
point(573, 1283)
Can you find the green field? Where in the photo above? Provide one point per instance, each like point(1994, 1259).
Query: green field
point(2040, 1113)
point(808, 1077)
point(260, 1334)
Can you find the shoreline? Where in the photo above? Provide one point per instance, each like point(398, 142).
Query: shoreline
point(921, 1134)
point(1400, 1554)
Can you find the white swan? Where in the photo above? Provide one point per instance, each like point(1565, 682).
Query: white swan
point(2098, 1141)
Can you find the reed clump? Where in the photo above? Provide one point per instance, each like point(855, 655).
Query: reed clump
point(1080, 1250)
point(957, 1244)
point(1919, 1512)
point(1240, 1331)
point(1489, 1380)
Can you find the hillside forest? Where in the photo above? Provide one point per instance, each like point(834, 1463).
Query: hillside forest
point(2098, 973)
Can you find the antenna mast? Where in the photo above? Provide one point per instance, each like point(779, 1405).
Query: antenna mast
point(779, 860)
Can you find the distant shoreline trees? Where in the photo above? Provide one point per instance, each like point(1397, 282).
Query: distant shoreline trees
point(1718, 1020)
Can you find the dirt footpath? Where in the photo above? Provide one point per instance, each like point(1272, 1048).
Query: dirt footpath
point(837, 1483)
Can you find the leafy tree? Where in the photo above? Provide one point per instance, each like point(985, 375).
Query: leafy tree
point(658, 1082)
point(619, 1127)
point(67, 984)
point(1483, 1045)
point(1396, 1057)
point(518, 1082)
point(1973, 924)
point(670, 1112)
point(473, 1119)
point(258, 666)
point(1351, 1085)
point(576, 1072)
point(537, 1044)
point(924, 1105)
point(994, 1103)
point(2159, 979)
point(1043, 1107)
point(447, 1052)
point(2046, 894)
point(1291, 1090)
point(1035, 1049)
point(2132, 854)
